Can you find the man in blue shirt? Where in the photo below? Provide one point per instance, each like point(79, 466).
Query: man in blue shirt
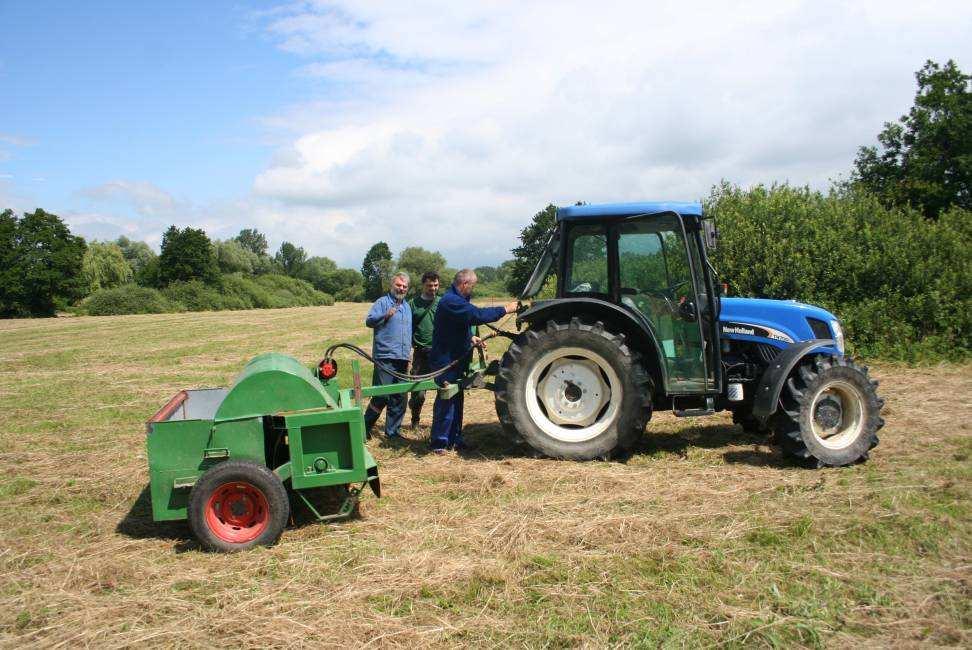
point(452, 338)
point(391, 318)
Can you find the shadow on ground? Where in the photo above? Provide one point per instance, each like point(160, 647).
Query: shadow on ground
point(490, 442)
point(717, 436)
point(138, 524)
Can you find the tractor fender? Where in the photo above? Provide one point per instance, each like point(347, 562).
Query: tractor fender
point(634, 326)
point(768, 393)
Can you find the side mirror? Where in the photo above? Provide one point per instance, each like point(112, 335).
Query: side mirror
point(710, 234)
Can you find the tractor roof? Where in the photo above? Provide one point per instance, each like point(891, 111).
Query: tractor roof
point(628, 209)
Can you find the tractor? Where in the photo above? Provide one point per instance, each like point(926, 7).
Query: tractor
point(639, 323)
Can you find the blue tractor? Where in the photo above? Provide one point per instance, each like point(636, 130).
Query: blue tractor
point(639, 324)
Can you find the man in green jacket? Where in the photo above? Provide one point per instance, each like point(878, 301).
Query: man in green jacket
point(423, 316)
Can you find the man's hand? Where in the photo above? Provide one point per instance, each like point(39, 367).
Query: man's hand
point(479, 343)
point(391, 311)
point(512, 307)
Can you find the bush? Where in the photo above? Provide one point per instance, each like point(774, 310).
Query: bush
point(245, 289)
point(351, 293)
point(128, 299)
point(198, 296)
point(901, 284)
point(286, 291)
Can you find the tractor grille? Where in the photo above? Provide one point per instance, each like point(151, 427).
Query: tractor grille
point(767, 352)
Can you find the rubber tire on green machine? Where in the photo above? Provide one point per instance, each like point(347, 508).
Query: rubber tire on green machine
point(237, 505)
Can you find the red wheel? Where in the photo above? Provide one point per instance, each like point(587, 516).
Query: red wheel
point(237, 512)
point(236, 505)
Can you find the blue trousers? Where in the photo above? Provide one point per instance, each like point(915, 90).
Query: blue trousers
point(395, 403)
point(447, 422)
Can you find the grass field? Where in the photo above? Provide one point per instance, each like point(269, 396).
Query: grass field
point(703, 537)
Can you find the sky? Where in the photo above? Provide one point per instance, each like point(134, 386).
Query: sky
point(446, 125)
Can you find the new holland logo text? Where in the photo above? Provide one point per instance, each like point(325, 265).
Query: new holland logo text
point(745, 329)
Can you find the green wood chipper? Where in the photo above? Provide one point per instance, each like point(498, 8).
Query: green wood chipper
point(233, 461)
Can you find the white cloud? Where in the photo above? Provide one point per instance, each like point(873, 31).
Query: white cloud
point(449, 124)
point(10, 141)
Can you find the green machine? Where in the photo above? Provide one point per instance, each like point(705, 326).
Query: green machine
point(233, 461)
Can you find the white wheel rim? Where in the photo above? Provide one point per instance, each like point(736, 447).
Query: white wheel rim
point(851, 415)
point(573, 394)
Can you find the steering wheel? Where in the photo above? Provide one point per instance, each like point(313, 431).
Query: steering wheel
point(666, 294)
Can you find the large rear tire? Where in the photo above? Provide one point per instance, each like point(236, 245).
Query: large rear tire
point(237, 505)
point(830, 412)
point(574, 391)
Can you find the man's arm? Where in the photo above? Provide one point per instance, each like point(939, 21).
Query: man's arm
point(478, 315)
point(377, 314)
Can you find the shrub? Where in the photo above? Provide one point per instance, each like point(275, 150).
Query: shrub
point(128, 299)
point(199, 296)
point(901, 284)
point(286, 291)
point(351, 293)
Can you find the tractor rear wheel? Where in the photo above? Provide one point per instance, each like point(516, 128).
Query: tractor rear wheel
point(237, 505)
point(573, 390)
point(830, 412)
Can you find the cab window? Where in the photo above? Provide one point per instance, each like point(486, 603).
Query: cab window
point(587, 265)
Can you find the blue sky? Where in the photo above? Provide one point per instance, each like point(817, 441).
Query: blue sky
point(447, 125)
point(120, 90)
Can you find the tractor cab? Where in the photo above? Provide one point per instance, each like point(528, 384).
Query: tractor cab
point(648, 259)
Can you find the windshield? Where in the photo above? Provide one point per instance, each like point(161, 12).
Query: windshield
point(535, 283)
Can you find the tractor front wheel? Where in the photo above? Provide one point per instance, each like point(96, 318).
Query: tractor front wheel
point(830, 412)
point(237, 505)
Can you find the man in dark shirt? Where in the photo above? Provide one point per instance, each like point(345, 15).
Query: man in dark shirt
point(391, 319)
point(452, 338)
point(423, 319)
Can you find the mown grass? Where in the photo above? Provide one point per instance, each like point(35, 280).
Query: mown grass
point(705, 536)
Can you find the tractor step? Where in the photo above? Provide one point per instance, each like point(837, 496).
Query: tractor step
point(708, 409)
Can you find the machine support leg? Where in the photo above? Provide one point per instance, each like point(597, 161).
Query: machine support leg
point(356, 374)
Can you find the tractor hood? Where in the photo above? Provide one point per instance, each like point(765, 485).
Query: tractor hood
point(781, 321)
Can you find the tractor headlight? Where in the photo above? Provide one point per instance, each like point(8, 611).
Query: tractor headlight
point(838, 335)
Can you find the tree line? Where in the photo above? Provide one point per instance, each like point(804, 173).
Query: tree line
point(46, 268)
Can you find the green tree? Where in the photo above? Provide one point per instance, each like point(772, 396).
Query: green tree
point(487, 273)
point(316, 271)
point(291, 258)
point(415, 261)
point(137, 253)
point(533, 238)
point(41, 264)
point(11, 284)
point(104, 266)
point(253, 240)
point(926, 157)
point(233, 257)
point(375, 267)
point(346, 282)
point(187, 254)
